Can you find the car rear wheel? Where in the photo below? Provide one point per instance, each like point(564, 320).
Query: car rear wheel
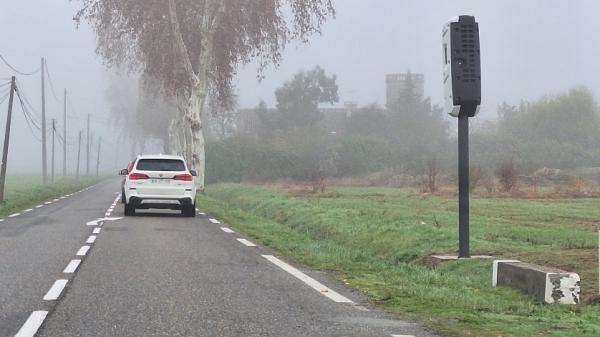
point(189, 211)
point(129, 210)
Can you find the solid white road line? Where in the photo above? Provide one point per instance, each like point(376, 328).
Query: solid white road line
point(91, 239)
point(72, 266)
point(55, 290)
point(28, 210)
point(38, 206)
point(33, 323)
point(83, 250)
point(246, 242)
point(214, 220)
point(227, 230)
point(14, 215)
point(331, 294)
point(96, 231)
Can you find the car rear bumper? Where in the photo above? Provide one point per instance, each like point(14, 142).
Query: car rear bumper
point(161, 202)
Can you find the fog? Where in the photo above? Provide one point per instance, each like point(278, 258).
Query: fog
point(529, 49)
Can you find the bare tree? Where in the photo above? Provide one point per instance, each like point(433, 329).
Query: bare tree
point(507, 174)
point(194, 47)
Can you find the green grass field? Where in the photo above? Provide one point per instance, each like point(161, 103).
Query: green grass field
point(25, 191)
point(375, 240)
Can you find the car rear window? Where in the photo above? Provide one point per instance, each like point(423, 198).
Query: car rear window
point(160, 165)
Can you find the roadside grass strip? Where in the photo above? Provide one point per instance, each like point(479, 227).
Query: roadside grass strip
point(32, 324)
point(57, 288)
point(316, 285)
point(72, 266)
point(246, 242)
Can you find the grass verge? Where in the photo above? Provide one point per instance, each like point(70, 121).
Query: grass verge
point(24, 192)
point(375, 240)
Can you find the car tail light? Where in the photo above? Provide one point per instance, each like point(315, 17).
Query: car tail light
point(184, 177)
point(137, 176)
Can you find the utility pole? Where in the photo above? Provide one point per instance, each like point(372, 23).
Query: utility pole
point(98, 157)
point(6, 138)
point(53, 132)
point(87, 156)
point(78, 154)
point(44, 160)
point(65, 134)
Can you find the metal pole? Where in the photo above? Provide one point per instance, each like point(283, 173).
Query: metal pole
point(463, 184)
point(78, 154)
point(87, 155)
point(53, 131)
point(98, 157)
point(44, 156)
point(6, 139)
point(65, 134)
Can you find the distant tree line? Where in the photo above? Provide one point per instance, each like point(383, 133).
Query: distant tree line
point(409, 137)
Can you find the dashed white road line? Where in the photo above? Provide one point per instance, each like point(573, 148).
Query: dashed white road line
point(83, 250)
point(96, 230)
point(325, 291)
point(403, 336)
point(55, 291)
point(28, 210)
point(38, 206)
point(72, 266)
point(200, 213)
point(55, 200)
point(1, 220)
point(107, 214)
point(227, 230)
point(91, 239)
point(14, 215)
point(47, 202)
point(214, 220)
point(246, 243)
point(33, 323)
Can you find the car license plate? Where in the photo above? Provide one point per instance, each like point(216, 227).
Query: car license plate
point(161, 181)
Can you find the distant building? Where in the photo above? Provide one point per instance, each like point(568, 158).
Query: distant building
point(396, 84)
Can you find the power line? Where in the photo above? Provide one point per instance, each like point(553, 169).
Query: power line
point(17, 71)
point(51, 84)
point(28, 119)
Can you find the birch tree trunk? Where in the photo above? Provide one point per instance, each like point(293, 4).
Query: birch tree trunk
point(191, 101)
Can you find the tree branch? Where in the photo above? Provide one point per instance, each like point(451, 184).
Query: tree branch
point(179, 43)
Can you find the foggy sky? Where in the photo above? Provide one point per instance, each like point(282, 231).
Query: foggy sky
point(529, 48)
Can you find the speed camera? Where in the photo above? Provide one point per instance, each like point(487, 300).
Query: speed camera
point(462, 69)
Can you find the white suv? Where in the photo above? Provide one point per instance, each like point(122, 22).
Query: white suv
point(159, 181)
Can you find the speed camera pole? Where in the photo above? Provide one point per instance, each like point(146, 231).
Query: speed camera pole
point(462, 87)
point(463, 185)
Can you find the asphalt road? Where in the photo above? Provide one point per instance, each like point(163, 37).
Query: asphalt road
point(160, 274)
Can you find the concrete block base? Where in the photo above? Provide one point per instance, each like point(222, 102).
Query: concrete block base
point(548, 284)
